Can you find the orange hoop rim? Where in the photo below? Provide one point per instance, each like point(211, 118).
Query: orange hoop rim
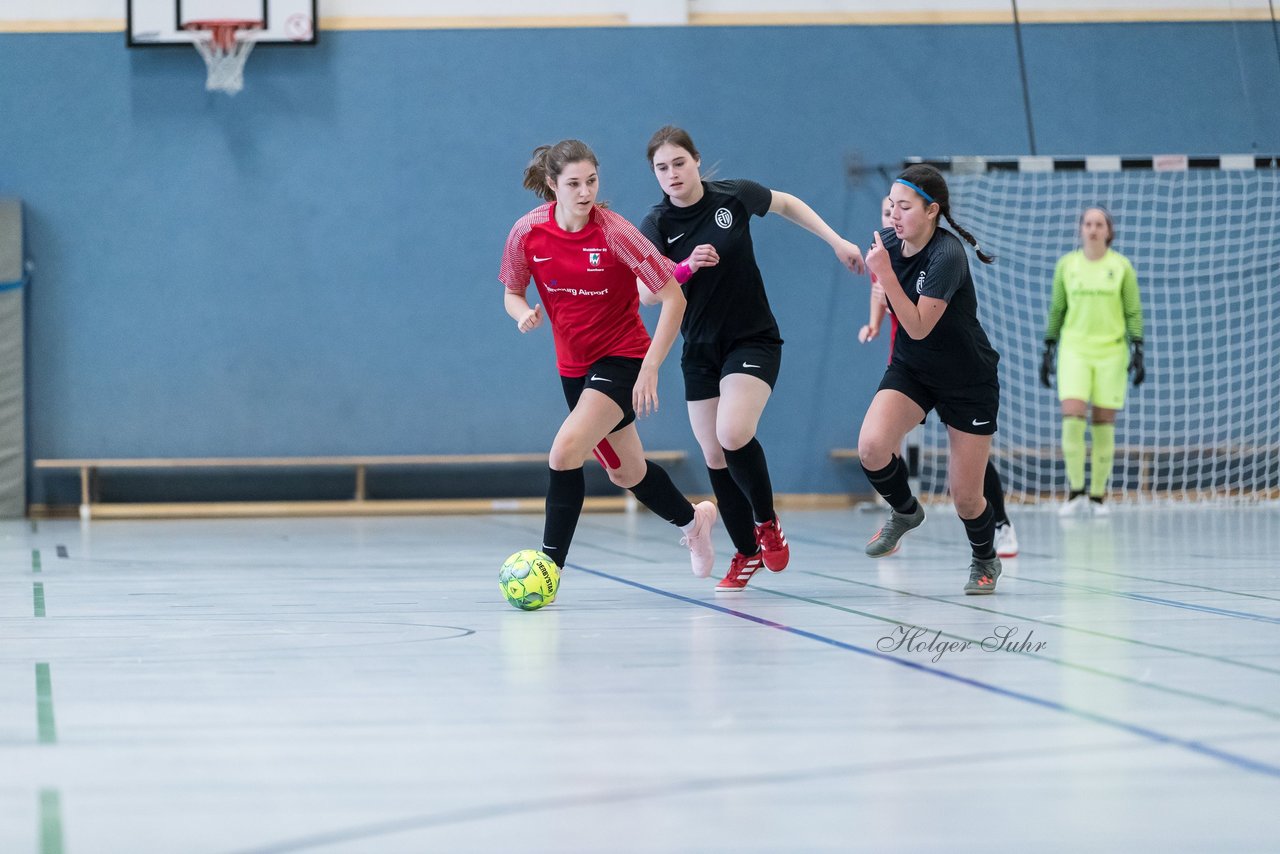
point(223, 29)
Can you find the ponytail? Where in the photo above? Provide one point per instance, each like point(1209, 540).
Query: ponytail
point(535, 174)
point(920, 176)
point(548, 161)
point(984, 257)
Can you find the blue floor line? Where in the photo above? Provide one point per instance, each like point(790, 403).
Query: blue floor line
point(1242, 762)
point(1156, 600)
point(1102, 591)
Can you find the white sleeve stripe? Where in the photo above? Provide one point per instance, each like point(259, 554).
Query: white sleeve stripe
point(636, 251)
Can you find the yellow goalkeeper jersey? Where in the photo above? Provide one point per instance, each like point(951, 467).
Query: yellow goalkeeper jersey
point(1095, 303)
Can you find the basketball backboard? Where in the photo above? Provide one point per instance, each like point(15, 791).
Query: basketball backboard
point(164, 22)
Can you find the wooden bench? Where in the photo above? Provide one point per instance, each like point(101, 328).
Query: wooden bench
point(359, 504)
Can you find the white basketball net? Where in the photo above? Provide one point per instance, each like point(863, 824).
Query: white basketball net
point(224, 55)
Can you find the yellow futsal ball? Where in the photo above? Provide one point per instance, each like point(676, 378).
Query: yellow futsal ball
point(529, 579)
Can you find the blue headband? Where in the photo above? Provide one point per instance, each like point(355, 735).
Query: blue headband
point(904, 182)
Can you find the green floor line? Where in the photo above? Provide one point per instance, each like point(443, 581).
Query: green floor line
point(50, 822)
point(35, 560)
point(35, 529)
point(37, 594)
point(44, 705)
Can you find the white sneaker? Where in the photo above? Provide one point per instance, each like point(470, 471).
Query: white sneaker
point(1099, 509)
point(1006, 541)
point(1078, 506)
point(702, 554)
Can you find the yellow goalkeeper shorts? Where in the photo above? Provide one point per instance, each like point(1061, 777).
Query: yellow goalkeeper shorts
point(1099, 377)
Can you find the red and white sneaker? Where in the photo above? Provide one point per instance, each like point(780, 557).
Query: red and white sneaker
point(1006, 541)
point(773, 545)
point(702, 554)
point(740, 571)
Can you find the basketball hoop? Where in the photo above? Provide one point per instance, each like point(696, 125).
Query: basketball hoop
point(224, 45)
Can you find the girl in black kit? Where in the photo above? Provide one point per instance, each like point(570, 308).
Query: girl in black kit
point(941, 360)
point(732, 348)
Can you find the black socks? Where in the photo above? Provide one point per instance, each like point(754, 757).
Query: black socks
point(656, 491)
point(750, 471)
point(982, 533)
point(735, 510)
point(891, 482)
point(564, 506)
point(993, 491)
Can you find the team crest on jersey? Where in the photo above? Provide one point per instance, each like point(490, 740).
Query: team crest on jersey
point(724, 218)
point(920, 283)
point(594, 258)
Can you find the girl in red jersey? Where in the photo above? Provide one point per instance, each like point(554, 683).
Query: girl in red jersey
point(585, 261)
point(732, 347)
point(992, 487)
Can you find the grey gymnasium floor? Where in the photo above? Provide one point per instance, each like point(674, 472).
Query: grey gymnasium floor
point(359, 685)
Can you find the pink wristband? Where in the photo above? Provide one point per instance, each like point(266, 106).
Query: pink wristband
point(683, 272)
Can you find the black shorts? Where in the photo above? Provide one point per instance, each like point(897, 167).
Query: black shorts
point(969, 409)
point(704, 365)
point(612, 376)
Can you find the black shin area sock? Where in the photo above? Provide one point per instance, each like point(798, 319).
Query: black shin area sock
point(993, 491)
point(982, 534)
point(750, 471)
point(735, 510)
point(656, 491)
point(564, 506)
point(891, 482)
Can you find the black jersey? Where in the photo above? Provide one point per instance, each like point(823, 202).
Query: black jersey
point(956, 352)
point(725, 302)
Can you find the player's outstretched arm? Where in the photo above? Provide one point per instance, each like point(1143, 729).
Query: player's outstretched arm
point(804, 216)
point(704, 255)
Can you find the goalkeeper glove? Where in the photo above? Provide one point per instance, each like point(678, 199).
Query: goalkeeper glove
point(1046, 363)
point(1136, 363)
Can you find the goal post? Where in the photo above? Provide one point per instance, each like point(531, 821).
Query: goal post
point(1203, 234)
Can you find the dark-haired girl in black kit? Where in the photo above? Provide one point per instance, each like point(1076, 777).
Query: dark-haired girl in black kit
point(942, 360)
point(732, 348)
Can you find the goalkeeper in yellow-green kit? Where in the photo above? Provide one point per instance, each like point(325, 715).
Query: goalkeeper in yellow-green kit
point(1095, 331)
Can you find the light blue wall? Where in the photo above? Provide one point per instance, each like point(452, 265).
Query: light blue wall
point(309, 267)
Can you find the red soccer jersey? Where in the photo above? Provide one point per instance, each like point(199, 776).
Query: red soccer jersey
point(587, 280)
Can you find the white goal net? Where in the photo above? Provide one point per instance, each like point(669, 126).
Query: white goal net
point(1205, 242)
